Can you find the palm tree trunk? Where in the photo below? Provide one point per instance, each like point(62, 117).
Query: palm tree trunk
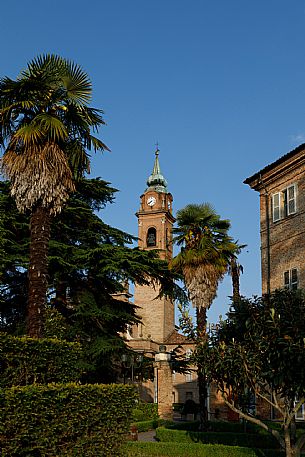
point(38, 270)
point(201, 314)
point(235, 280)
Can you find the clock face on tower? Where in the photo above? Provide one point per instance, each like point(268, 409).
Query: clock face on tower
point(151, 201)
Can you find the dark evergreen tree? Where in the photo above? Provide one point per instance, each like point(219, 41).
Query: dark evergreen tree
point(89, 265)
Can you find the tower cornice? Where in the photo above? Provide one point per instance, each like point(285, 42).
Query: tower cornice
point(166, 213)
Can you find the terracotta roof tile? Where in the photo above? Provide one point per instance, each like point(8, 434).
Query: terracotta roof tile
point(177, 338)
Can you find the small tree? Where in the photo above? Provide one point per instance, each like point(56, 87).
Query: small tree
point(260, 347)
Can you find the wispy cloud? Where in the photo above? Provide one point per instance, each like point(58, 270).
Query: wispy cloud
point(297, 138)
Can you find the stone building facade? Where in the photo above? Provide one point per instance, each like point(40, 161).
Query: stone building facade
point(281, 186)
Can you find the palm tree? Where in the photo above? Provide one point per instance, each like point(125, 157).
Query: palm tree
point(205, 255)
point(45, 131)
point(235, 269)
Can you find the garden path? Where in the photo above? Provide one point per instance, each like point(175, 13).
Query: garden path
point(147, 436)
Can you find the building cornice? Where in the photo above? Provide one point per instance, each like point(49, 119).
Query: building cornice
point(277, 169)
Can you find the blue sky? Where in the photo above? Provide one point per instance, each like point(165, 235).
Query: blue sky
point(220, 85)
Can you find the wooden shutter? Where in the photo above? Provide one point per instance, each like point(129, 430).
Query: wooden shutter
point(286, 279)
point(291, 199)
point(294, 278)
point(276, 207)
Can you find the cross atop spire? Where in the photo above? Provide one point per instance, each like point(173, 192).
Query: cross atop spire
point(156, 180)
point(157, 150)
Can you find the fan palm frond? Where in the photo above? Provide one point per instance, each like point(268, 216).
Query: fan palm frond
point(52, 127)
point(79, 159)
point(206, 251)
point(97, 144)
point(27, 135)
point(76, 83)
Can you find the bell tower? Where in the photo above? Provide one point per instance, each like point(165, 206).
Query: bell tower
point(155, 222)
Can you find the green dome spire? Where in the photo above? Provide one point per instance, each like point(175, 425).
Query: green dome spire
point(156, 180)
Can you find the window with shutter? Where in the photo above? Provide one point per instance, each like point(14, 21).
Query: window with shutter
point(276, 206)
point(291, 279)
point(284, 203)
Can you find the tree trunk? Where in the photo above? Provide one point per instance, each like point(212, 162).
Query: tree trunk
point(235, 280)
point(38, 270)
point(202, 383)
point(290, 449)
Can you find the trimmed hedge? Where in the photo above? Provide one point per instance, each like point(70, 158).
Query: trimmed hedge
point(64, 420)
point(229, 439)
point(25, 361)
point(189, 425)
point(144, 426)
point(145, 412)
point(142, 449)
point(219, 426)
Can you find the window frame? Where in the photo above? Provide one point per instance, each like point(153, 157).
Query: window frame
point(151, 231)
point(290, 284)
point(281, 209)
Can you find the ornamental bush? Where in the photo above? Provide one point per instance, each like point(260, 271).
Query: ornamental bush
point(25, 361)
point(229, 439)
point(65, 420)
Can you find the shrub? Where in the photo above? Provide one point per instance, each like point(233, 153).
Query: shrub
point(145, 411)
point(26, 361)
point(141, 449)
point(229, 439)
point(64, 420)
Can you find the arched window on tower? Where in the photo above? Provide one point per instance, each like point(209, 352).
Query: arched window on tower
point(151, 239)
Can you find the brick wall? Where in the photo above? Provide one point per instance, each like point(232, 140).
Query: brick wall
point(287, 246)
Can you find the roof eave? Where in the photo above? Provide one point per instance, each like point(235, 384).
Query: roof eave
point(255, 181)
